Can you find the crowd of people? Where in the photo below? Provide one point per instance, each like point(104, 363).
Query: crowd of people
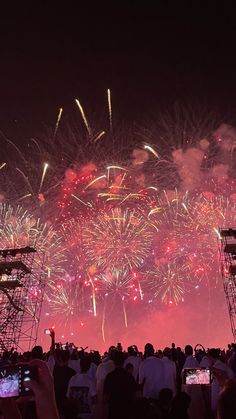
point(73, 383)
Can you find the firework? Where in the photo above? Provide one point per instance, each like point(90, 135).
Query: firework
point(90, 189)
point(170, 212)
point(208, 214)
point(117, 283)
point(67, 301)
point(19, 228)
point(58, 122)
point(188, 227)
point(169, 283)
point(68, 297)
point(114, 221)
point(120, 238)
point(116, 288)
point(103, 286)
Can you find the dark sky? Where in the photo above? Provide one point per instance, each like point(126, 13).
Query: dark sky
point(150, 54)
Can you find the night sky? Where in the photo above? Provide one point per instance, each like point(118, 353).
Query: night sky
point(150, 55)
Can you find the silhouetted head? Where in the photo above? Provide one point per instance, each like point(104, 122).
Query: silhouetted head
point(165, 396)
point(167, 352)
point(214, 353)
point(111, 352)
point(118, 358)
point(148, 350)
point(64, 357)
point(132, 351)
point(85, 363)
point(37, 352)
point(181, 402)
point(129, 368)
point(188, 350)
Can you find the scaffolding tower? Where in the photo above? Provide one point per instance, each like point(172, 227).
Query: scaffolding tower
point(228, 271)
point(22, 283)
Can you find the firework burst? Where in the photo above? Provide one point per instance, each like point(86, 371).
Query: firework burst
point(121, 238)
point(19, 228)
point(169, 283)
point(67, 297)
point(188, 227)
point(116, 288)
point(117, 283)
point(114, 222)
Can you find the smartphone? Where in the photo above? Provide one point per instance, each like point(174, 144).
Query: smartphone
point(197, 376)
point(13, 377)
point(47, 331)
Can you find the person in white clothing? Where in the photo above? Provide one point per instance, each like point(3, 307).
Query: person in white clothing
point(151, 373)
point(75, 365)
point(103, 370)
point(197, 409)
point(51, 362)
point(170, 370)
point(134, 360)
point(217, 367)
point(190, 361)
point(82, 390)
point(205, 362)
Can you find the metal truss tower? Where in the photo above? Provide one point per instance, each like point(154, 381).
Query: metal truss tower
point(22, 283)
point(228, 271)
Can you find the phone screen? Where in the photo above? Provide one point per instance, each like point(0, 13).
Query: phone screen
point(12, 378)
point(197, 376)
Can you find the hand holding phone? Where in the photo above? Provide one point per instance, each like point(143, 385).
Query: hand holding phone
point(43, 390)
point(50, 332)
point(197, 376)
point(13, 379)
